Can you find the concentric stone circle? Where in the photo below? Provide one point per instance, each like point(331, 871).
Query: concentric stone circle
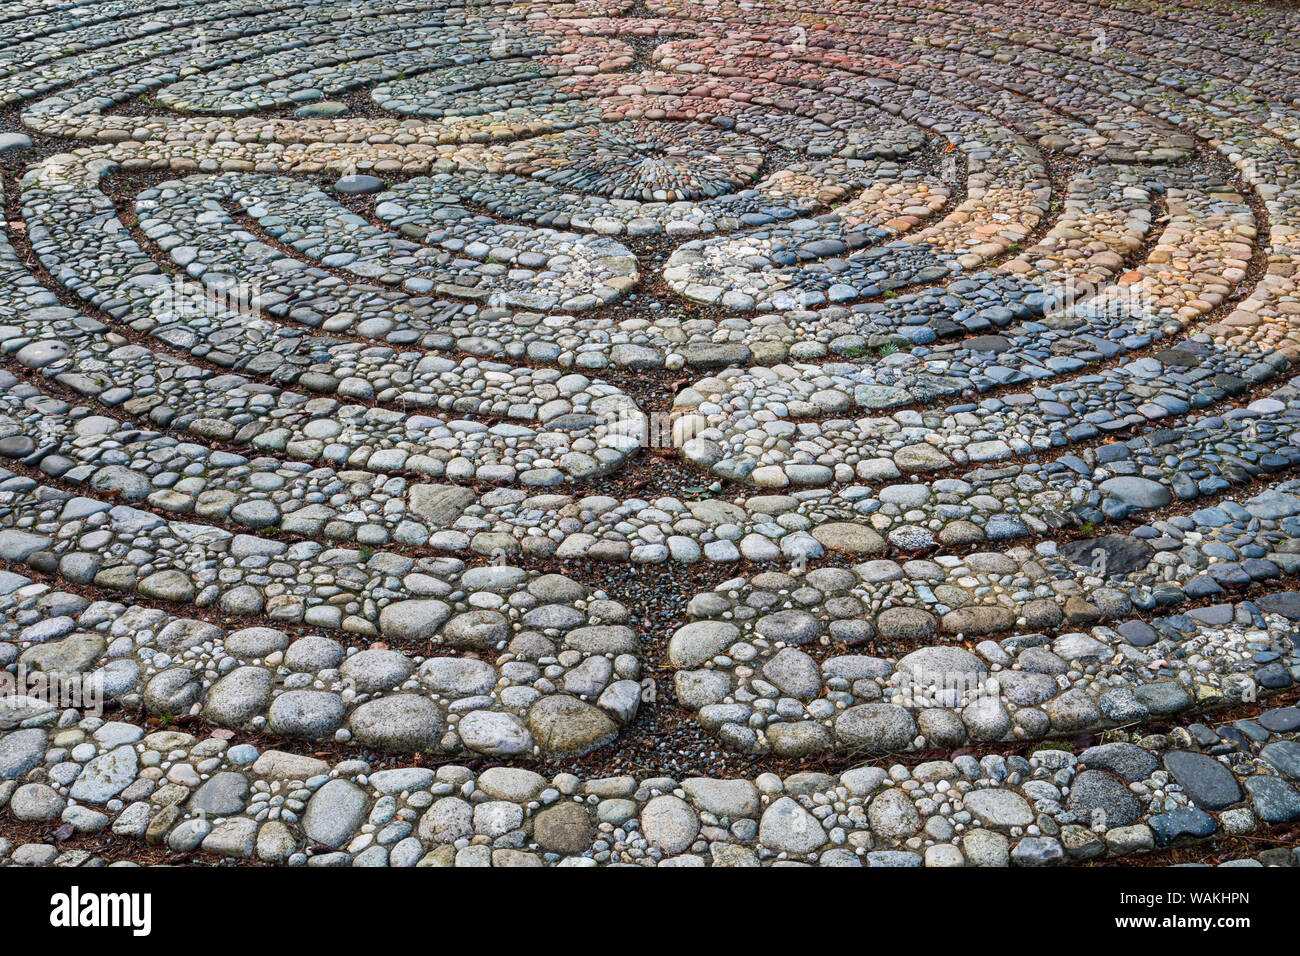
point(645, 161)
point(649, 401)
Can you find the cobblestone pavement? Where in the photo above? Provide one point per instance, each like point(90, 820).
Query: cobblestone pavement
point(640, 432)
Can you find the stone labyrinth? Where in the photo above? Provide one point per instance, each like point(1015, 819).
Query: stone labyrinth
point(656, 433)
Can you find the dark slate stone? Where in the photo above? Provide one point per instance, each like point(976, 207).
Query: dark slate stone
point(1216, 615)
point(1274, 676)
point(1182, 821)
point(1094, 791)
point(357, 185)
point(1281, 720)
point(1232, 384)
point(1168, 595)
point(1203, 734)
point(1127, 760)
point(1285, 756)
point(1124, 553)
point(1259, 569)
point(1285, 603)
point(1208, 783)
point(1138, 633)
point(1200, 585)
point(1235, 736)
point(1230, 573)
point(1274, 800)
point(1177, 358)
point(1252, 730)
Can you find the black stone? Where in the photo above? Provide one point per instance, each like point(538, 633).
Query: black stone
point(1235, 736)
point(1182, 821)
point(1273, 676)
point(1094, 791)
point(1281, 720)
point(1177, 357)
point(356, 185)
point(1138, 633)
point(1274, 800)
point(1285, 756)
point(1252, 730)
point(17, 446)
point(1208, 783)
point(1124, 553)
point(1285, 603)
point(1127, 760)
point(988, 343)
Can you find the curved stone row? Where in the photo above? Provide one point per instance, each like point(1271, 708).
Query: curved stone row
point(512, 266)
point(103, 454)
point(762, 693)
point(47, 35)
point(789, 425)
point(763, 270)
point(326, 66)
point(1107, 216)
point(70, 231)
point(530, 666)
point(1073, 118)
point(372, 594)
point(122, 548)
point(1101, 82)
point(473, 88)
point(744, 660)
point(794, 191)
point(1235, 332)
point(172, 789)
point(242, 25)
point(1203, 252)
